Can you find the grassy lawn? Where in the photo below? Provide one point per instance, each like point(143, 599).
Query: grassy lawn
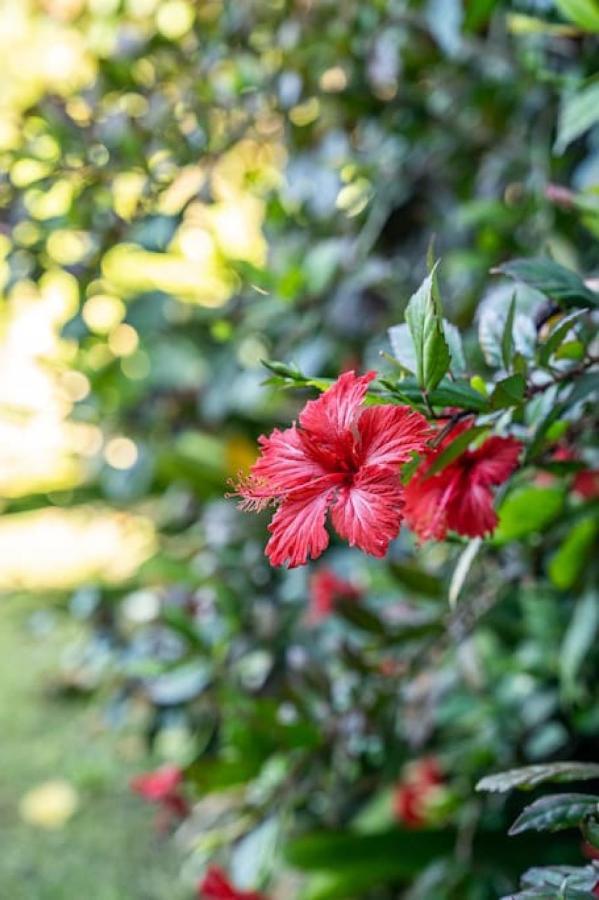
point(108, 850)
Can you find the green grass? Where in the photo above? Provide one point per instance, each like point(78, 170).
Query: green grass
point(108, 850)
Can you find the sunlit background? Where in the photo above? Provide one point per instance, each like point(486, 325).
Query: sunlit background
point(42, 450)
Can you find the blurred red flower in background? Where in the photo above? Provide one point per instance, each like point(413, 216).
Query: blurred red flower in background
point(586, 484)
point(162, 786)
point(419, 785)
point(459, 497)
point(216, 886)
point(341, 457)
point(326, 589)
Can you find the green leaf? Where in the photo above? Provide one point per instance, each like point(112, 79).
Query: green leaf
point(559, 333)
point(578, 113)
point(556, 812)
point(448, 393)
point(455, 448)
point(403, 346)
point(591, 833)
point(417, 580)
point(456, 350)
point(557, 883)
point(579, 639)
point(584, 13)
point(403, 853)
point(518, 23)
point(507, 340)
point(219, 774)
point(425, 322)
point(570, 350)
point(583, 387)
point(463, 566)
point(253, 856)
point(285, 375)
point(528, 777)
point(508, 392)
point(569, 561)
point(357, 614)
point(479, 385)
point(527, 510)
point(557, 282)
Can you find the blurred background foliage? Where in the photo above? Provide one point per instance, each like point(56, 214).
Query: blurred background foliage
point(187, 189)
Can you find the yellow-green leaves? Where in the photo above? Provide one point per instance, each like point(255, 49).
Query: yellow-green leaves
point(584, 13)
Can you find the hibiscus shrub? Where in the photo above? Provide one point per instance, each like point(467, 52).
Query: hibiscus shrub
point(347, 743)
point(426, 443)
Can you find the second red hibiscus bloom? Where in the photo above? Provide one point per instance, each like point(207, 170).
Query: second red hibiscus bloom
point(459, 497)
point(343, 458)
point(216, 886)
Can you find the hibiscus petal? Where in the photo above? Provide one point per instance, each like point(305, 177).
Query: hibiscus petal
point(426, 504)
point(470, 511)
point(297, 527)
point(390, 434)
point(495, 460)
point(285, 464)
point(369, 512)
point(331, 416)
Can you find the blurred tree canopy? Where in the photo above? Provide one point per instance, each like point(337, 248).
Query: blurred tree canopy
point(188, 189)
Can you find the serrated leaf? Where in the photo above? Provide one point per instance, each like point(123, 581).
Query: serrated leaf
point(426, 327)
point(559, 333)
point(577, 877)
point(553, 280)
point(456, 350)
point(557, 883)
point(584, 13)
point(527, 777)
point(455, 448)
point(578, 113)
point(491, 330)
point(508, 392)
point(507, 339)
point(555, 812)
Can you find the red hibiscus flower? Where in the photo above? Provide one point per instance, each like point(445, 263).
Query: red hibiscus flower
point(163, 787)
point(596, 890)
point(586, 484)
point(341, 457)
point(420, 783)
point(586, 481)
point(326, 589)
point(216, 886)
point(459, 497)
